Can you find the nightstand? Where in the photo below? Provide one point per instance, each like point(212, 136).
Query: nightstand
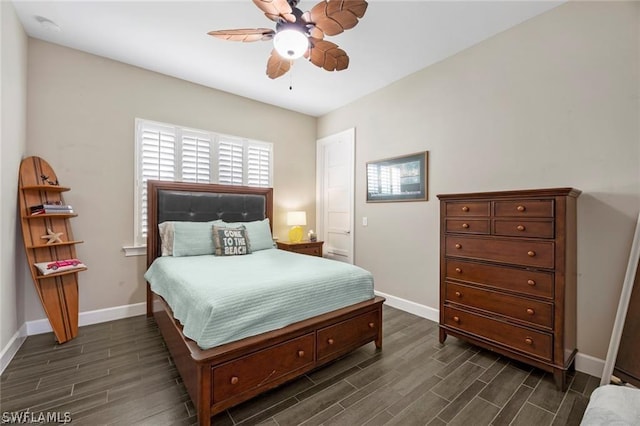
point(313, 248)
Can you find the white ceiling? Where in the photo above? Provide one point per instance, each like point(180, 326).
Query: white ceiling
point(392, 40)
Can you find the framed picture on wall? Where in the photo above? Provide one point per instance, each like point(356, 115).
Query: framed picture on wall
point(398, 179)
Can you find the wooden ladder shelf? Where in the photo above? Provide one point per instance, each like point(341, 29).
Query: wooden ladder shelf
point(58, 291)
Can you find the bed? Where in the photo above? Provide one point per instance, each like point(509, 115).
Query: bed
point(613, 405)
point(232, 371)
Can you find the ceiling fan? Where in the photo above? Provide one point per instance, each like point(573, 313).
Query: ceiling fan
point(302, 34)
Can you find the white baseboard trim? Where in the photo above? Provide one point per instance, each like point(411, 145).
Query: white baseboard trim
point(589, 364)
point(12, 347)
point(91, 317)
point(411, 307)
point(584, 363)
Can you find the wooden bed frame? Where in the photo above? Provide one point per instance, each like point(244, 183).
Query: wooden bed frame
point(226, 375)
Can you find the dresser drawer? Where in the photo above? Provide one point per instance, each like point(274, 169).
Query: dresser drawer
point(527, 282)
point(523, 339)
point(313, 251)
point(524, 228)
point(468, 226)
point(520, 252)
point(524, 208)
point(341, 337)
point(527, 310)
point(242, 375)
point(471, 208)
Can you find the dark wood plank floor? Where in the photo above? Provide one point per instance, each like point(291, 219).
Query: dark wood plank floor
point(121, 373)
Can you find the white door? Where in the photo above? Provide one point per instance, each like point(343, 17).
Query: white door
point(335, 194)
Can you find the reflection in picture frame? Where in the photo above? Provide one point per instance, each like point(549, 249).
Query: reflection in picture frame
point(398, 179)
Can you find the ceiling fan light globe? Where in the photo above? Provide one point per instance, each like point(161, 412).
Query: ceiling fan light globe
point(290, 44)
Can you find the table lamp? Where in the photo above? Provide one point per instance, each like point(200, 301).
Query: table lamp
point(296, 220)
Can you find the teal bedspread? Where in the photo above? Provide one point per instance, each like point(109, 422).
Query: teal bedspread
point(220, 299)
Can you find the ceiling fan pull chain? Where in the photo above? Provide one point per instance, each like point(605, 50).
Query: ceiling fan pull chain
point(291, 76)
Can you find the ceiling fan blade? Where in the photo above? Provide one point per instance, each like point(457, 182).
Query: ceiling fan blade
point(276, 9)
point(327, 55)
point(335, 16)
point(245, 34)
point(277, 65)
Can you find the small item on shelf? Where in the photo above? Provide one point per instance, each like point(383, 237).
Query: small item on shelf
point(50, 208)
point(54, 237)
point(46, 268)
point(45, 179)
point(313, 237)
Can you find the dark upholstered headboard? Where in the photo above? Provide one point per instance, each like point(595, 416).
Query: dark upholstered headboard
point(198, 202)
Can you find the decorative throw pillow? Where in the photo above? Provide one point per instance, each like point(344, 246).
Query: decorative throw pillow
point(186, 238)
point(230, 241)
point(166, 232)
point(46, 268)
point(259, 233)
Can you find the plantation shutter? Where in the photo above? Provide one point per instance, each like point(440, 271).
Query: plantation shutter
point(230, 155)
point(196, 157)
point(174, 153)
point(259, 165)
point(158, 146)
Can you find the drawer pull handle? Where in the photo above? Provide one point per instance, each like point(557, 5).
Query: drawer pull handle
point(465, 208)
point(530, 311)
point(520, 228)
point(521, 208)
point(531, 282)
point(531, 253)
point(234, 380)
point(458, 270)
point(371, 325)
point(330, 341)
point(465, 225)
point(300, 354)
point(456, 319)
point(528, 341)
point(458, 246)
point(458, 294)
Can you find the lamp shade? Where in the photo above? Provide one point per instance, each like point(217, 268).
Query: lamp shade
point(297, 218)
point(290, 43)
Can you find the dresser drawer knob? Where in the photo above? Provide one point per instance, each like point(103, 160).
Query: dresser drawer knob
point(458, 270)
point(530, 311)
point(330, 341)
point(520, 228)
point(371, 325)
point(465, 208)
point(528, 341)
point(531, 253)
point(521, 208)
point(465, 225)
point(234, 380)
point(456, 319)
point(458, 294)
point(531, 282)
point(458, 246)
point(300, 354)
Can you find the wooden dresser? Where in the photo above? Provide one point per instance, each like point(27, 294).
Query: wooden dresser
point(508, 274)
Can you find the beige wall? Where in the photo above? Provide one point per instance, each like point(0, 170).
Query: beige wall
point(552, 102)
point(13, 108)
point(81, 111)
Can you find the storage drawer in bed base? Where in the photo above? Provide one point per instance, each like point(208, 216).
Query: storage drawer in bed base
point(251, 358)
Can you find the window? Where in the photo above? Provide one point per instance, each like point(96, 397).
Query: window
point(168, 152)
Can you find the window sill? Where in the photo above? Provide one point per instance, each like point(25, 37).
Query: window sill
point(134, 251)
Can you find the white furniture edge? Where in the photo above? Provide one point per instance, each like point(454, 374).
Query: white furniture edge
point(623, 306)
